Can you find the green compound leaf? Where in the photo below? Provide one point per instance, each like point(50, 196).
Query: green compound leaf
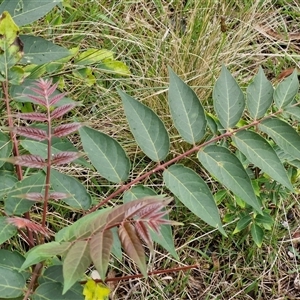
point(286, 90)
point(75, 264)
point(259, 152)
point(259, 95)
point(39, 51)
point(229, 100)
point(226, 167)
point(69, 185)
point(283, 134)
point(257, 234)
point(186, 110)
point(26, 12)
point(32, 184)
point(193, 192)
point(165, 237)
point(146, 127)
point(106, 154)
point(6, 230)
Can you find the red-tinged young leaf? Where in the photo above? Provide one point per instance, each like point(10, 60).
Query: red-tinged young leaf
point(39, 91)
point(132, 245)
point(143, 232)
point(152, 210)
point(30, 132)
point(65, 157)
point(60, 111)
point(154, 225)
point(56, 99)
point(75, 264)
point(22, 223)
point(34, 116)
point(157, 220)
point(51, 89)
point(31, 196)
point(100, 249)
point(28, 160)
point(38, 100)
point(58, 196)
point(43, 84)
point(120, 213)
point(66, 129)
point(147, 209)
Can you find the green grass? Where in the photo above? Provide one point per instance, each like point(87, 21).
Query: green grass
point(149, 36)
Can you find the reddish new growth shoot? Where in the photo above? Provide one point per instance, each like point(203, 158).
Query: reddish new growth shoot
point(45, 95)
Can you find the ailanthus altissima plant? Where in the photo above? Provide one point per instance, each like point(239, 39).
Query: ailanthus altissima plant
point(245, 139)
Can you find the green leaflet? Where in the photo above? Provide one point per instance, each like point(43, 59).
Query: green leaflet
point(193, 192)
point(146, 127)
point(242, 223)
point(283, 134)
point(51, 286)
point(229, 100)
point(67, 184)
point(286, 90)
point(54, 291)
point(17, 206)
point(259, 152)
point(6, 230)
point(294, 111)
point(187, 112)
point(39, 51)
point(11, 50)
point(259, 95)
point(106, 154)
point(84, 227)
point(7, 181)
point(12, 282)
point(257, 234)
point(75, 263)
point(44, 251)
point(26, 12)
point(227, 168)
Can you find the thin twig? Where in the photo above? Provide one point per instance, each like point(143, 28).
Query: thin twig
point(156, 272)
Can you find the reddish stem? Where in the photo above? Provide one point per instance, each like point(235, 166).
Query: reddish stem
point(48, 172)
point(156, 272)
point(15, 149)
